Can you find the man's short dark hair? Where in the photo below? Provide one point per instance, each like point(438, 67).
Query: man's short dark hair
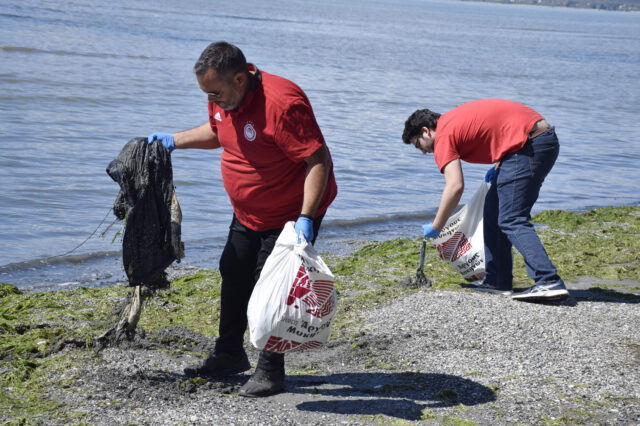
point(224, 58)
point(416, 121)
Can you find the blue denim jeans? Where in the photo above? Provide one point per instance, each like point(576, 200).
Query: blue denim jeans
point(507, 211)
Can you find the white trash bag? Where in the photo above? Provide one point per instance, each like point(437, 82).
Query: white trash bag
point(294, 300)
point(461, 241)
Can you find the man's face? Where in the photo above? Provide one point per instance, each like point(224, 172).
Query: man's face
point(227, 93)
point(424, 141)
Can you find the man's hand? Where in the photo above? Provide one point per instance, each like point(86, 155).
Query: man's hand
point(305, 225)
point(166, 139)
point(491, 174)
point(429, 231)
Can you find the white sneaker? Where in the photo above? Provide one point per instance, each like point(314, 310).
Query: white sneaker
point(554, 292)
point(487, 288)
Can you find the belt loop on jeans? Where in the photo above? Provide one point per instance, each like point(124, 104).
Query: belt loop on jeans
point(539, 128)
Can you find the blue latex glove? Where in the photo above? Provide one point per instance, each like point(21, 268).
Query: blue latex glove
point(166, 139)
point(491, 174)
point(429, 232)
point(304, 225)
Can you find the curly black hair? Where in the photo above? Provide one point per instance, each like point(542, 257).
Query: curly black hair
point(416, 121)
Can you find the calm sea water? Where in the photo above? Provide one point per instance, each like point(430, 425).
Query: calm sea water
point(79, 78)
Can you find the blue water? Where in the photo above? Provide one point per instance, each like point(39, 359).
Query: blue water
point(79, 78)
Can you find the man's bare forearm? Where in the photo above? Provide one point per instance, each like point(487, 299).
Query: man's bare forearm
point(201, 137)
point(315, 183)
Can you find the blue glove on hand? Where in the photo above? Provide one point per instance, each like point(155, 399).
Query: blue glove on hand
point(429, 232)
point(304, 225)
point(166, 139)
point(491, 174)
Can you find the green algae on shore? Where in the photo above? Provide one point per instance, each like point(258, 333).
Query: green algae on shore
point(44, 334)
point(601, 243)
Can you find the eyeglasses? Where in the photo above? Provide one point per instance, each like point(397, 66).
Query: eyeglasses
point(416, 141)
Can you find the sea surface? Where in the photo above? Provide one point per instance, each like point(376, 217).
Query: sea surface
point(79, 78)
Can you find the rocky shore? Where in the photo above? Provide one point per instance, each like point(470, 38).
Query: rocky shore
point(397, 355)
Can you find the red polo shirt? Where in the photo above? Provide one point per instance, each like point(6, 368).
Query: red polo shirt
point(482, 131)
point(265, 142)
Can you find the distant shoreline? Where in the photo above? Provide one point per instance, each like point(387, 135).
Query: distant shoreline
point(612, 5)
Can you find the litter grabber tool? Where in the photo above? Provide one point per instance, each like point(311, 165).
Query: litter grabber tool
point(419, 280)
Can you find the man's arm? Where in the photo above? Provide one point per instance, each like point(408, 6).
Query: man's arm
point(318, 168)
point(199, 137)
point(453, 189)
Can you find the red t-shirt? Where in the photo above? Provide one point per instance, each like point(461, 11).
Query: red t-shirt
point(482, 131)
point(265, 142)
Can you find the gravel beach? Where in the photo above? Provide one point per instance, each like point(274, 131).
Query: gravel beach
point(434, 357)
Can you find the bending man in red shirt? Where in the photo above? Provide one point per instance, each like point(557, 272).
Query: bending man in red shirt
point(524, 148)
point(275, 168)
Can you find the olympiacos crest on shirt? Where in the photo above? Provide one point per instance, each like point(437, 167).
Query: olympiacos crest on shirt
point(249, 132)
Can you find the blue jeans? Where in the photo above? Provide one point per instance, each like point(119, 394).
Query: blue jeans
point(507, 211)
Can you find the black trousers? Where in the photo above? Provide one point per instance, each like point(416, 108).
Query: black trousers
point(241, 262)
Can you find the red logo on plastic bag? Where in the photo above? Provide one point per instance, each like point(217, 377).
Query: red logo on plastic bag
point(278, 344)
point(315, 294)
point(454, 247)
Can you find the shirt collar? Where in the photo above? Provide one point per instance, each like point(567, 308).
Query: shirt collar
point(254, 85)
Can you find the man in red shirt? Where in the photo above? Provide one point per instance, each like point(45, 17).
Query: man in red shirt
point(275, 168)
point(524, 148)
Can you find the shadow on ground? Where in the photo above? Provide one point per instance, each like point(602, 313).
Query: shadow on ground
point(604, 295)
point(595, 295)
point(401, 395)
point(587, 294)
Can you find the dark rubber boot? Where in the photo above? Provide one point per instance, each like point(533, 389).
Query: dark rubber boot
point(268, 379)
point(220, 364)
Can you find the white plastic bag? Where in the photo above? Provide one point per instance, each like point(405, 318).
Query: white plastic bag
point(294, 300)
point(461, 241)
